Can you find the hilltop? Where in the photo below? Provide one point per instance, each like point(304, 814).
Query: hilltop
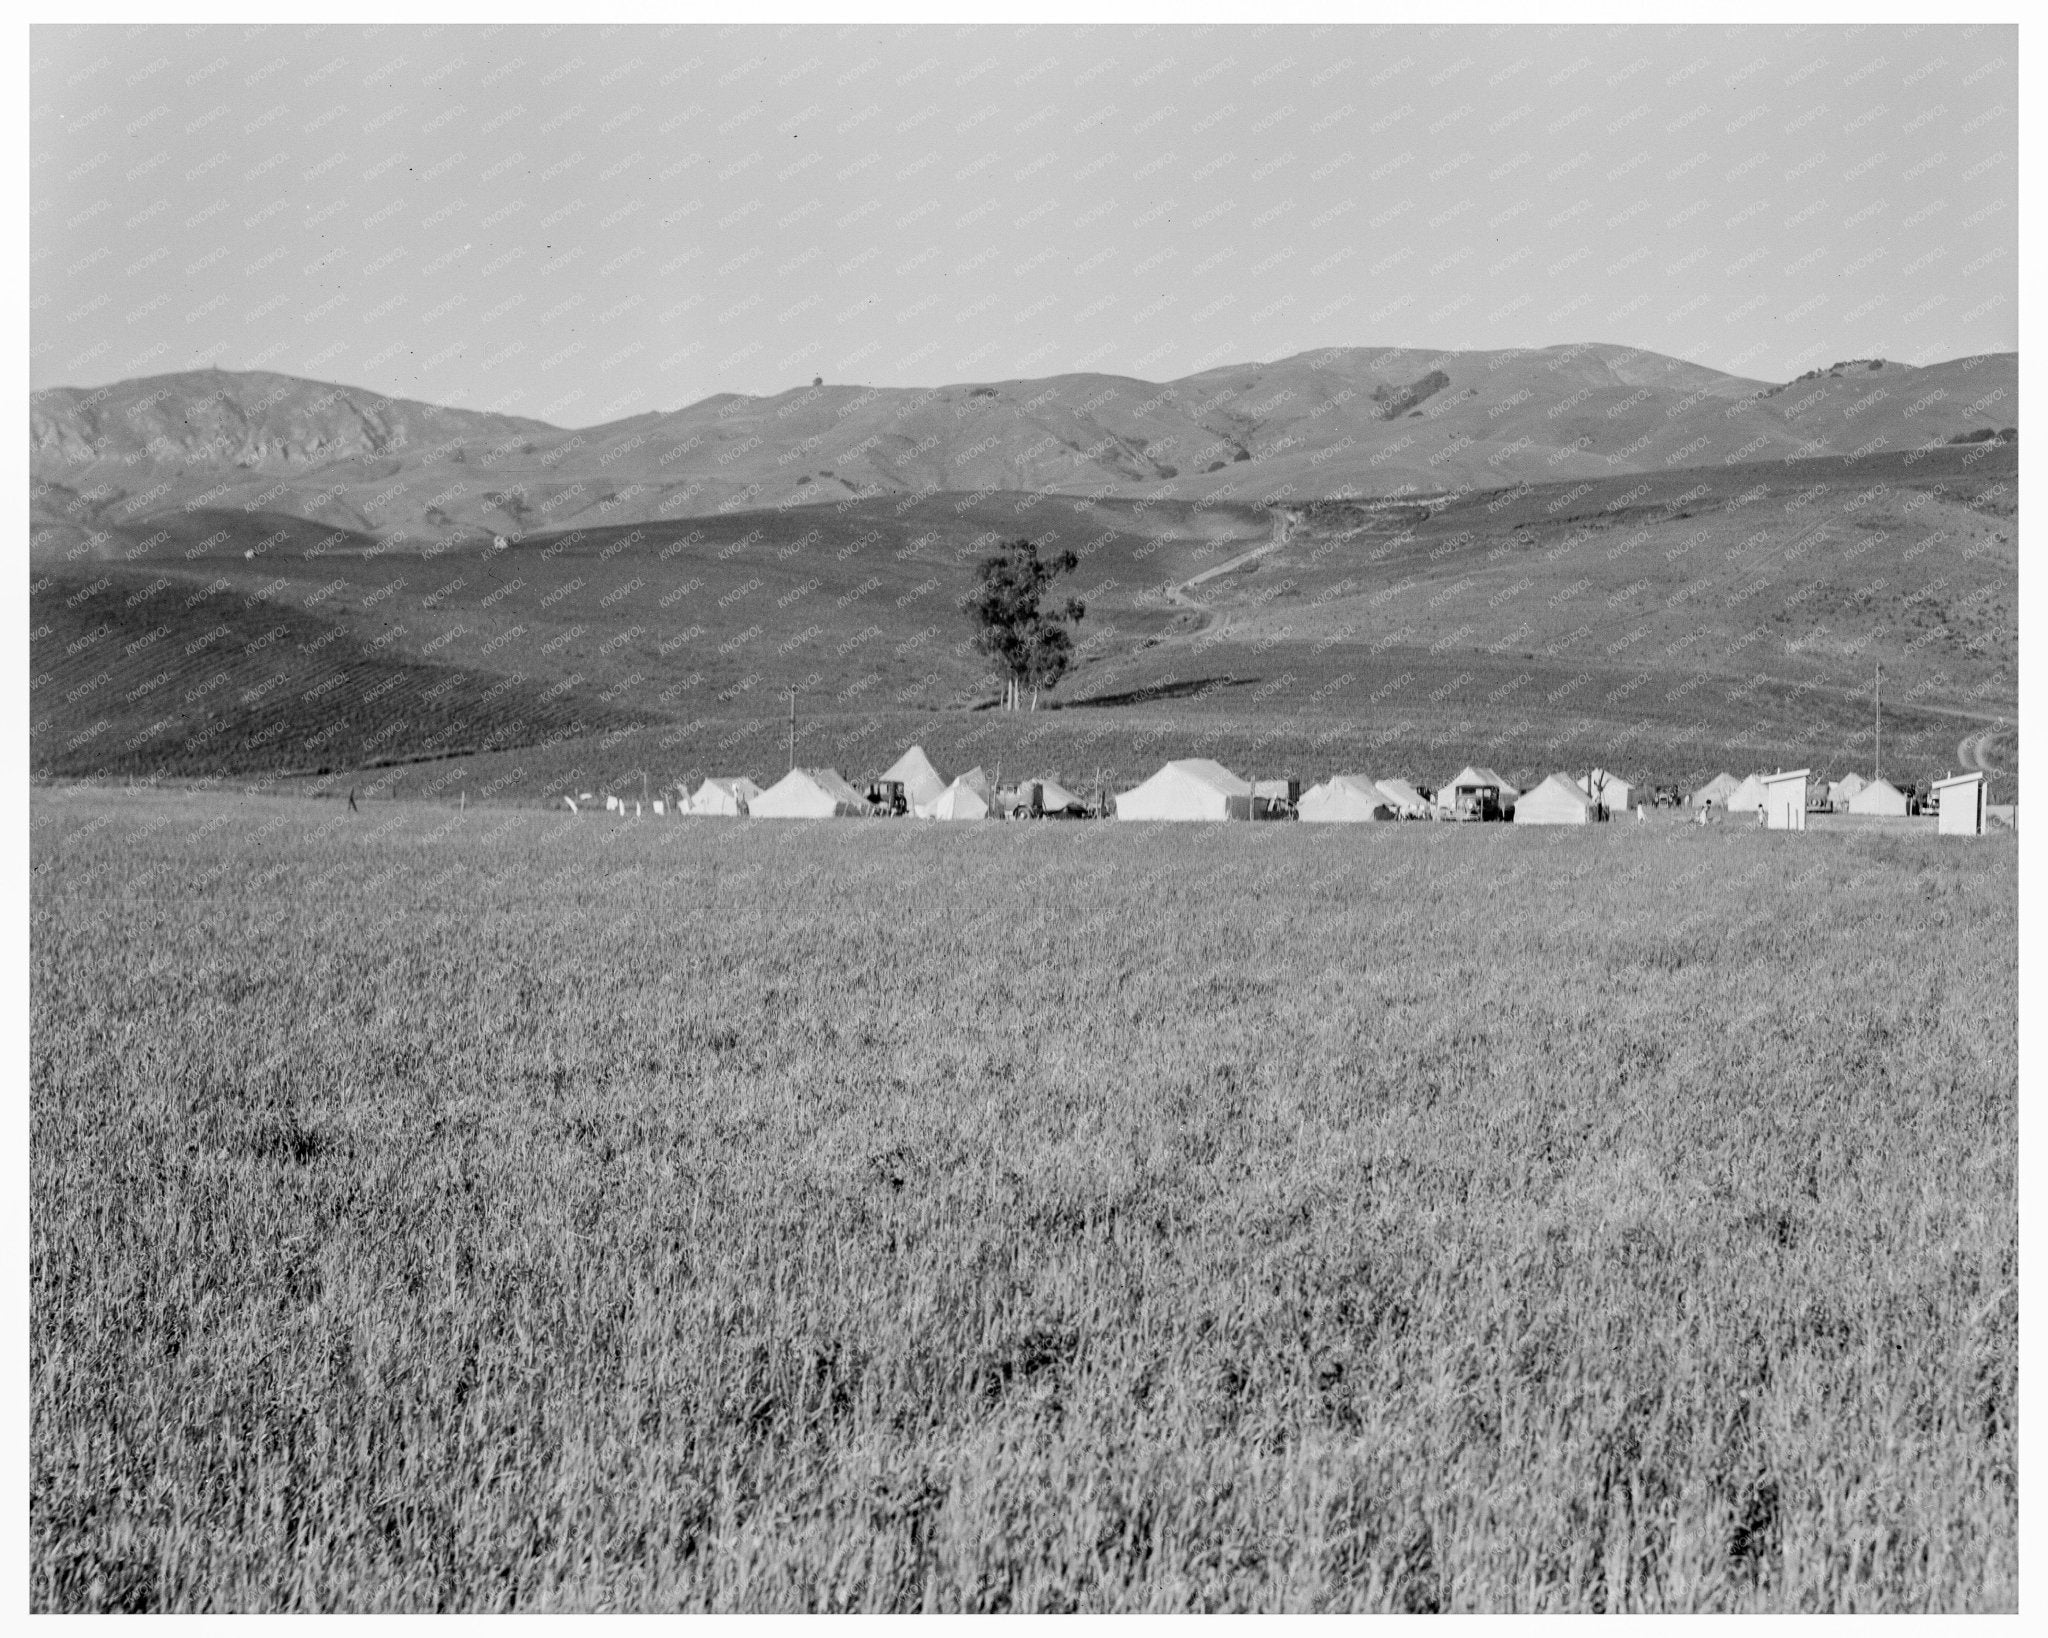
point(1339, 422)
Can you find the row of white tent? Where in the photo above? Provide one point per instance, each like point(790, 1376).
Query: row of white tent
point(1850, 794)
point(1196, 788)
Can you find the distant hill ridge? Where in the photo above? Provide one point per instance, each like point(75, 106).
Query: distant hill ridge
point(1336, 422)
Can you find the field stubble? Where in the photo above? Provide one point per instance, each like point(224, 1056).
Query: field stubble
point(490, 1210)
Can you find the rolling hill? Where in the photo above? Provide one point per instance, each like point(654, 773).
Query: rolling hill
point(1345, 421)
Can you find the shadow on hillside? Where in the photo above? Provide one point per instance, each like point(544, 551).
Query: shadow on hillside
point(1186, 688)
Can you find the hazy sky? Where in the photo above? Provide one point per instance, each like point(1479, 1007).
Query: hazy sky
point(584, 223)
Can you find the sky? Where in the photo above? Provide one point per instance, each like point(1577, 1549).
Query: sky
point(580, 224)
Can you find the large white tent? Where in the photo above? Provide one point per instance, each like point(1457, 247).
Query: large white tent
point(1556, 801)
point(1748, 797)
point(1344, 799)
point(1409, 802)
point(809, 793)
point(1611, 791)
point(922, 783)
point(1844, 789)
point(729, 797)
point(977, 780)
point(1880, 796)
point(1715, 791)
point(1194, 788)
point(958, 800)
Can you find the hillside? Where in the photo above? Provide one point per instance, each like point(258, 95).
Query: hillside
point(1356, 421)
point(173, 675)
point(1678, 622)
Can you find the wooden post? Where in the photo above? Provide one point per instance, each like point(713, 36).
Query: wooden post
point(792, 730)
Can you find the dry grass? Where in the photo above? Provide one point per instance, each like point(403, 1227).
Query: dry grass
point(504, 1210)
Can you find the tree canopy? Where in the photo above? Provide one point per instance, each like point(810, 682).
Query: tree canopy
point(1027, 635)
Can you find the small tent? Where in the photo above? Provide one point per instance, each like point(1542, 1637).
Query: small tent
point(1344, 799)
point(1053, 797)
point(1408, 802)
point(922, 783)
point(1747, 797)
point(977, 780)
point(1194, 788)
point(809, 793)
point(1880, 796)
point(958, 800)
point(1556, 801)
point(729, 797)
point(1840, 792)
point(1960, 810)
point(1715, 791)
point(1611, 791)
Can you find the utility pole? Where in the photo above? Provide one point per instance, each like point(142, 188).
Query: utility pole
point(792, 730)
point(1877, 702)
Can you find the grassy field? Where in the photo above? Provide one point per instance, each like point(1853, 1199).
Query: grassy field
point(438, 1210)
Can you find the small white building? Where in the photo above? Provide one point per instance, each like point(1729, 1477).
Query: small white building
point(1556, 801)
point(1785, 800)
point(1961, 805)
point(1881, 796)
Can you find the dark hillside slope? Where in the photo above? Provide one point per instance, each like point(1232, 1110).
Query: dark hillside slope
point(170, 676)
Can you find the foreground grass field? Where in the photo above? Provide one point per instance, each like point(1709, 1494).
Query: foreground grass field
point(493, 1210)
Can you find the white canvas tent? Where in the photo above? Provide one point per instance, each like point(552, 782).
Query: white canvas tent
point(809, 793)
point(1194, 788)
point(1475, 780)
point(1345, 799)
point(1747, 797)
point(729, 798)
point(1880, 796)
point(1556, 801)
point(1409, 802)
point(1843, 789)
point(1053, 797)
point(1716, 790)
point(1611, 791)
point(958, 800)
point(922, 783)
point(976, 779)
